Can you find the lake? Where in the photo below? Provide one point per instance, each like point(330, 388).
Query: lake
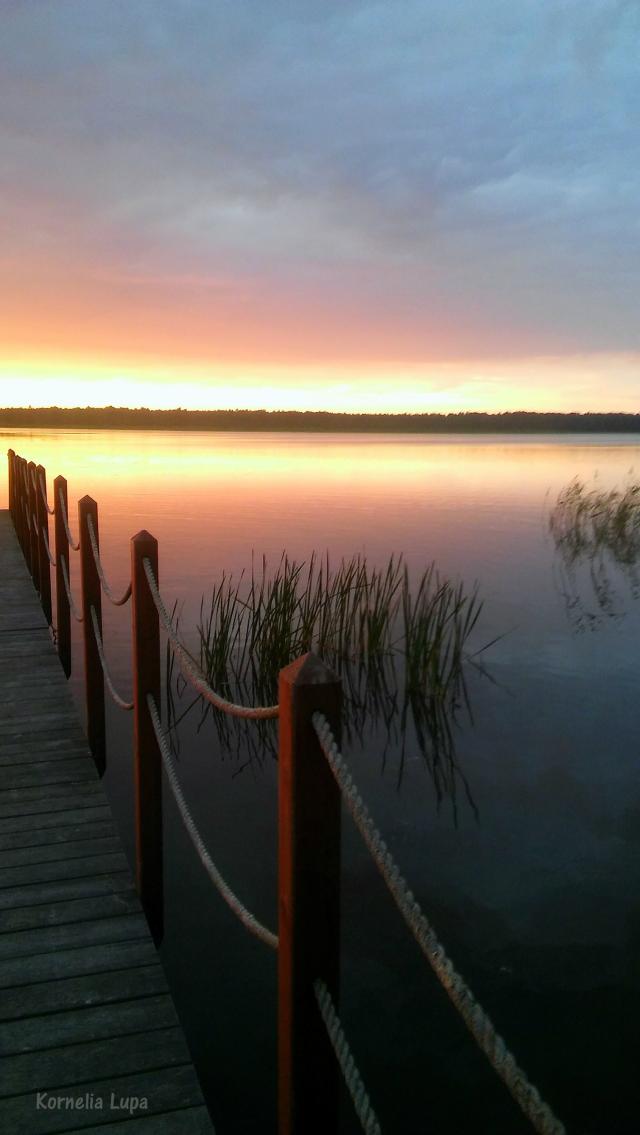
point(530, 874)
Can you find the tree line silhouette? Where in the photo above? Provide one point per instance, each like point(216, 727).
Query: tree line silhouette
point(119, 417)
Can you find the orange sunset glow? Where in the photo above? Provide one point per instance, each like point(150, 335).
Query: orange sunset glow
point(208, 227)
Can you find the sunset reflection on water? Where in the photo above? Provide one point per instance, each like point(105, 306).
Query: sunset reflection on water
point(547, 866)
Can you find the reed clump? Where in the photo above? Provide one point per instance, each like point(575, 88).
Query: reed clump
point(587, 522)
point(354, 613)
point(398, 645)
point(597, 535)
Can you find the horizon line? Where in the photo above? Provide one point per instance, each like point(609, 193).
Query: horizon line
point(326, 413)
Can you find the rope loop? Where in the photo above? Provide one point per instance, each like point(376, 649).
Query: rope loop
point(67, 586)
point(476, 1019)
point(192, 672)
point(47, 549)
point(339, 1043)
point(126, 595)
point(120, 702)
point(249, 921)
point(51, 511)
point(72, 543)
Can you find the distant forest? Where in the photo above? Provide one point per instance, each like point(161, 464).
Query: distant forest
point(120, 418)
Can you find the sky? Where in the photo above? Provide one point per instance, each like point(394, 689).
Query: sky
point(405, 206)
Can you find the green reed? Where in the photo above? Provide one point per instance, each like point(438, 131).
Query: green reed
point(585, 522)
point(354, 612)
point(597, 534)
point(399, 645)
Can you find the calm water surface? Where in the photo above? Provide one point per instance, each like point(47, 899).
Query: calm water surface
point(533, 889)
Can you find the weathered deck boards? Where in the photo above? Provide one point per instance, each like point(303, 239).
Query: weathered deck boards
point(85, 1011)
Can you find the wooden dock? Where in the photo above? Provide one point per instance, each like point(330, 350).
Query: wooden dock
point(89, 1036)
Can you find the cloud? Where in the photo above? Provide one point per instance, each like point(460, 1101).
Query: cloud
point(415, 159)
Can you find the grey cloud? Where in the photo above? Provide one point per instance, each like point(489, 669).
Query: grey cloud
point(481, 149)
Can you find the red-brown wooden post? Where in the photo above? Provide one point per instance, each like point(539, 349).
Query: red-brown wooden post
point(25, 538)
point(63, 612)
point(12, 507)
point(92, 597)
point(17, 499)
point(32, 512)
point(43, 540)
point(309, 899)
point(147, 761)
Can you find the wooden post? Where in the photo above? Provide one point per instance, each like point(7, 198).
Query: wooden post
point(43, 540)
point(25, 538)
point(32, 512)
point(63, 612)
point(17, 498)
point(92, 597)
point(12, 507)
point(309, 899)
point(147, 761)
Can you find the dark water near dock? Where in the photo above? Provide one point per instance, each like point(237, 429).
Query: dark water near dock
point(534, 890)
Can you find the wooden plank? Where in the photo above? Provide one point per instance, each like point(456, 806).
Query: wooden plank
point(85, 1005)
point(35, 646)
point(187, 1121)
point(63, 833)
point(44, 744)
point(35, 729)
point(34, 754)
point(49, 799)
point(49, 853)
point(74, 963)
point(42, 940)
point(76, 1063)
point(81, 992)
point(98, 1023)
point(63, 869)
point(49, 772)
point(23, 618)
point(60, 890)
point(74, 910)
point(165, 1090)
point(31, 724)
point(48, 705)
point(18, 690)
point(41, 822)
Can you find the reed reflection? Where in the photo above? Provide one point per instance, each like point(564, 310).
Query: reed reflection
point(597, 535)
point(400, 645)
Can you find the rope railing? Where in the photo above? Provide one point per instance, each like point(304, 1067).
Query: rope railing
point(350, 1074)
point(249, 921)
point(43, 492)
point(120, 701)
point(313, 776)
point(47, 549)
point(67, 586)
point(192, 672)
point(126, 595)
point(476, 1019)
point(75, 545)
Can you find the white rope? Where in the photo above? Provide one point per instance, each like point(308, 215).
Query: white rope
point(248, 920)
point(192, 672)
point(46, 546)
point(65, 575)
point(51, 511)
point(476, 1019)
point(72, 543)
point(126, 595)
point(120, 702)
point(339, 1043)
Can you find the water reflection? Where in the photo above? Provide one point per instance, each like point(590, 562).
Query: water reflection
point(399, 647)
point(377, 703)
point(596, 533)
